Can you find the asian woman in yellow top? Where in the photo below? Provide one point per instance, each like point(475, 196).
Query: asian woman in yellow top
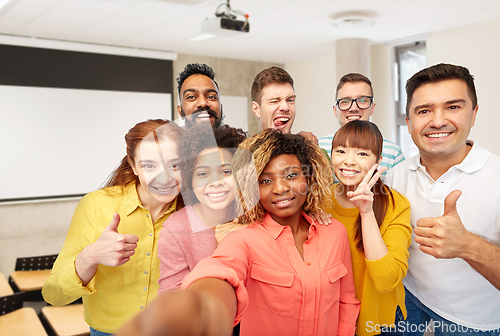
point(377, 220)
point(114, 266)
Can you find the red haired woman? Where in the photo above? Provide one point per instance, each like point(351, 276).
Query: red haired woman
point(114, 266)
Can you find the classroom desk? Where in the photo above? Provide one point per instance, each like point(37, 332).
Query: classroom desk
point(66, 320)
point(5, 288)
point(30, 280)
point(21, 322)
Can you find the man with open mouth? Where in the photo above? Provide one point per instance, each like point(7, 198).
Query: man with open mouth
point(199, 96)
point(273, 101)
point(354, 101)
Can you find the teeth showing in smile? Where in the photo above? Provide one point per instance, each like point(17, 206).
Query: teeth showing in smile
point(353, 117)
point(217, 195)
point(283, 119)
point(204, 115)
point(438, 135)
point(349, 172)
point(164, 190)
point(284, 201)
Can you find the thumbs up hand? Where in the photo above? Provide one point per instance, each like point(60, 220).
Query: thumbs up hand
point(443, 237)
point(113, 248)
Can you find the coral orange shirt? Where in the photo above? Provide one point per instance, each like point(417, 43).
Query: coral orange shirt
point(278, 292)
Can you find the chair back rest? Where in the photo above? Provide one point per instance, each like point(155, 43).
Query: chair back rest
point(12, 302)
point(35, 263)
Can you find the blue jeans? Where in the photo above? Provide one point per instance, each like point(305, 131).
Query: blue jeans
point(394, 331)
point(419, 321)
point(94, 332)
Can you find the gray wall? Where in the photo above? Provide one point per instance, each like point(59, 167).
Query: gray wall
point(32, 229)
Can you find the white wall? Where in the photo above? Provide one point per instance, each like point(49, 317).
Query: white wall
point(475, 47)
point(382, 73)
point(315, 83)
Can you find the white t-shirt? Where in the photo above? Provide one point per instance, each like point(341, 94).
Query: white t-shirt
point(451, 287)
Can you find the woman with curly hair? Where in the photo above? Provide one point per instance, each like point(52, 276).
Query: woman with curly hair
point(282, 275)
point(208, 192)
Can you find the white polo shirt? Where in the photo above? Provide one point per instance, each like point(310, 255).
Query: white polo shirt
point(451, 287)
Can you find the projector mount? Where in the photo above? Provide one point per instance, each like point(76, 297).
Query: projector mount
point(229, 13)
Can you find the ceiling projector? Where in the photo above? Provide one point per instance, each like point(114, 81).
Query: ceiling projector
point(224, 26)
point(225, 23)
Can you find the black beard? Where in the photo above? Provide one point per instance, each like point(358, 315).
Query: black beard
point(190, 122)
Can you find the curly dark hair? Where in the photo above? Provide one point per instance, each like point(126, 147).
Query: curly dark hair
point(257, 151)
point(193, 69)
point(195, 140)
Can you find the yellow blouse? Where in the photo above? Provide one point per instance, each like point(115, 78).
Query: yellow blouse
point(114, 294)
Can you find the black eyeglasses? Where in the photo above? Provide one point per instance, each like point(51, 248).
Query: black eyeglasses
point(362, 102)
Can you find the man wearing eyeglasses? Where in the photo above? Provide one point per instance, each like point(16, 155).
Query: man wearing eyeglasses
point(354, 101)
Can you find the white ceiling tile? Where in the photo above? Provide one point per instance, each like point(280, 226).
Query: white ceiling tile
point(47, 30)
point(81, 13)
point(8, 26)
point(98, 36)
point(28, 9)
point(134, 20)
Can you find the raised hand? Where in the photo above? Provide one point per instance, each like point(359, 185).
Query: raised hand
point(113, 248)
point(362, 197)
point(443, 237)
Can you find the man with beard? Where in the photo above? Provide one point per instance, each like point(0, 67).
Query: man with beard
point(199, 95)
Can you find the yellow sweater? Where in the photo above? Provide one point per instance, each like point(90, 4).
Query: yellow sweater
point(378, 283)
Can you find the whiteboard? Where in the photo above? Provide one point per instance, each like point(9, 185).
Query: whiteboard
point(67, 141)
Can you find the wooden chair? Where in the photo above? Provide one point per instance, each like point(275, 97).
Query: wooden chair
point(30, 274)
point(9, 303)
point(66, 320)
point(35, 263)
point(15, 320)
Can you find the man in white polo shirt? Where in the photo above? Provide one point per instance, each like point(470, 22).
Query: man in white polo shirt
point(454, 190)
point(354, 100)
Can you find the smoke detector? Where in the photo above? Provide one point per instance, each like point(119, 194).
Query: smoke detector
point(354, 19)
